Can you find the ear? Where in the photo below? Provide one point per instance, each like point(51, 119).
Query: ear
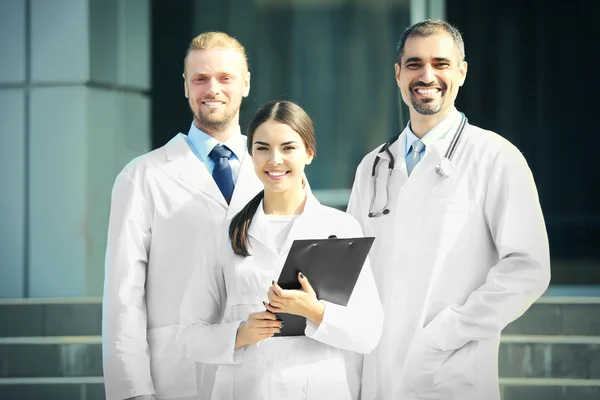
point(462, 71)
point(397, 69)
point(246, 85)
point(185, 86)
point(311, 156)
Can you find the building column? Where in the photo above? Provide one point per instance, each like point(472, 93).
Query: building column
point(74, 109)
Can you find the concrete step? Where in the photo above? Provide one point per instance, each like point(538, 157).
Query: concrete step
point(50, 357)
point(85, 388)
point(565, 357)
point(531, 368)
point(520, 356)
point(550, 315)
point(50, 317)
point(578, 316)
point(91, 388)
point(549, 389)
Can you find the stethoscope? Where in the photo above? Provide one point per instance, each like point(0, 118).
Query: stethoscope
point(443, 168)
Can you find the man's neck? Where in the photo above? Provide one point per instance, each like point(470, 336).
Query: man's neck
point(421, 124)
point(221, 134)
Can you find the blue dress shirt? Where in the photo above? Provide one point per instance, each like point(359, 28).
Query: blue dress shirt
point(436, 133)
point(202, 144)
point(410, 139)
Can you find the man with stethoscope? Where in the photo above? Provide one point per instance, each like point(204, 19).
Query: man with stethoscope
point(461, 247)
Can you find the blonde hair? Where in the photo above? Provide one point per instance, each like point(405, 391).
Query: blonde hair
point(215, 40)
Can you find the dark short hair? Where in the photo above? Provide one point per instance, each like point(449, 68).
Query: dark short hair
point(430, 27)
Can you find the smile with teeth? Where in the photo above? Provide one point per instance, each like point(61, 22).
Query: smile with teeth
point(212, 103)
point(428, 91)
point(277, 174)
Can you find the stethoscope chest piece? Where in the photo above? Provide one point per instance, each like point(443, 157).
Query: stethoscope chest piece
point(444, 168)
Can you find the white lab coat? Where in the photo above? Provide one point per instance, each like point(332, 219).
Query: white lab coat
point(325, 364)
point(455, 261)
point(164, 206)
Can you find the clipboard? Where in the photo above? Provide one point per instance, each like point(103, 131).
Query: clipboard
point(332, 267)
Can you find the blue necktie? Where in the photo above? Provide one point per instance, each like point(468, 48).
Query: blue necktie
point(415, 157)
point(222, 171)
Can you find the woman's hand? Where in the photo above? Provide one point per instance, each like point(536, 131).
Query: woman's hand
point(301, 302)
point(259, 326)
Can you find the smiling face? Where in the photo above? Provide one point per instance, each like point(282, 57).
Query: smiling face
point(216, 80)
point(279, 155)
point(430, 73)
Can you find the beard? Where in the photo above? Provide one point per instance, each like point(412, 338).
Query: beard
point(427, 106)
point(215, 121)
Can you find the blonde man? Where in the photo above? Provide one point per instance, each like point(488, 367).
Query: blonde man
point(164, 206)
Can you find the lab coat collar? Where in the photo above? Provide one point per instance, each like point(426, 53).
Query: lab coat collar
point(177, 148)
point(258, 228)
point(434, 140)
point(204, 143)
point(437, 149)
point(437, 133)
point(192, 171)
point(442, 134)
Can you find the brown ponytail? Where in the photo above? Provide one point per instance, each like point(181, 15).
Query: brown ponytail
point(238, 229)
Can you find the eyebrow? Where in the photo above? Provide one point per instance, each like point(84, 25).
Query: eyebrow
point(282, 144)
point(218, 73)
point(436, 59)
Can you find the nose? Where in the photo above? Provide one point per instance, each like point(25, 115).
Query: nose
point(213, 87)
point(428, 75)
point(275, 158)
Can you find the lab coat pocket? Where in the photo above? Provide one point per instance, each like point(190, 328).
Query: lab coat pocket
point(223, 387)
point(430, 373)
point(421, 364)
point(173, 374)
point(457, 374)
point(447, 224)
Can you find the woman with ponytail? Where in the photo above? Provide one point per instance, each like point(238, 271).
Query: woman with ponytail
point(228, 315)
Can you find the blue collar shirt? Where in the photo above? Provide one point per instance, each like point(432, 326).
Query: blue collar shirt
point(202, 144)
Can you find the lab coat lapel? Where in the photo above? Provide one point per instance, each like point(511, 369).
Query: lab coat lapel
point(426, 167)
point(437, 150)
point(451, 129)
point(247, 185)
point(192, 170)
point(398, 150)
point(258, 229)
point(384, 184)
